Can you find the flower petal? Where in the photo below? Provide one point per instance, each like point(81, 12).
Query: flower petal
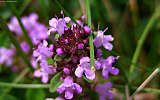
point(97, 42)
point(61, 88)
point(107, 46)
point(114, 71)
point(69, 94)
point(79, 71)
point(37, 73)
point(78, 88)
point(105, 73)
point(84, 60)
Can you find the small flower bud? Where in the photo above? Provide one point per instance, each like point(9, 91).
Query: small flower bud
point(59, 51)
point(87, 30)
point(80, 46)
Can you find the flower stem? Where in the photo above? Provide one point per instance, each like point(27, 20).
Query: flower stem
point(14, 10)
point(90, 37)
point(15, 43)
point(151, 90)
point(13, 85)
point(145, 82)
point(24, 6)
point(60, 6)
point(142, 39)
point(44, 10)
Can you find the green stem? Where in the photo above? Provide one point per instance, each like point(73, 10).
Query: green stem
point(151, 90)
point(38, 86)
point(13, 85)
point(15, 43)
point(24, 6)
point(44, 10)
point(7, 90)
point(14, 10)
point(60, 6)
point(142, 39)
point(90, 37)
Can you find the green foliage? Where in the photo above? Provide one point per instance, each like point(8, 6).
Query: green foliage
point(55, 82)
point(35, 94)
point(87, 80)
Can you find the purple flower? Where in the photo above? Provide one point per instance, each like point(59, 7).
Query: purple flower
point(25, 47)
point(35, 30)
point(6, 56)
point(58, 98)
point(85, 67)
point(66, 71)
point(104, 40)
point(104, 92)
point(14, 26)
point(99, 53)
point(106, 65)
point(87, 30)
point(80, 46)
point(43, 52)
point(58, 25)
point(69, 88)
point(59, 51)
point(44, 71)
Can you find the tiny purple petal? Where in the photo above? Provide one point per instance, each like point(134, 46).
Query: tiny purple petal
point(99, 53)
point(61, 89)
point(80, 46)
point(87, 30)
point(105, 73)
point(79, 71)
point(68, 94)
point(78, 88)
point(59, 51)
point(66, 71)
point(25, 47)
point(114, 71)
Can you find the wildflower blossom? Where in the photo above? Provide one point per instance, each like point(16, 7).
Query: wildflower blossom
point(36, 31)
point(106, 65)
point(6, 56)
point(69, 88)
point(58, 25)
point(25, 47)
point(85, 67)
point(104, 40)
point(104, 91)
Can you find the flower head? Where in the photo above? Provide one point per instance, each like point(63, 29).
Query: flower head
point(69, 88)
point(104, 92)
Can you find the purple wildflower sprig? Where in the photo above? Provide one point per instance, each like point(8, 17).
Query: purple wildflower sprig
point(69, 54)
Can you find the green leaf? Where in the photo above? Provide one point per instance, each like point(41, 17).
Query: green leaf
point(89, 81)
point(4, 40)
point(9, 97)
point(55, 82)
point(35, 94)
point(56, 36)
point(58, 58)
point(50, 61)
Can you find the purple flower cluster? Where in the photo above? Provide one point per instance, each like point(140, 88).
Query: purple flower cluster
point(36, 31)
point(70, 54)
point(40, 55)
point(6, 56)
